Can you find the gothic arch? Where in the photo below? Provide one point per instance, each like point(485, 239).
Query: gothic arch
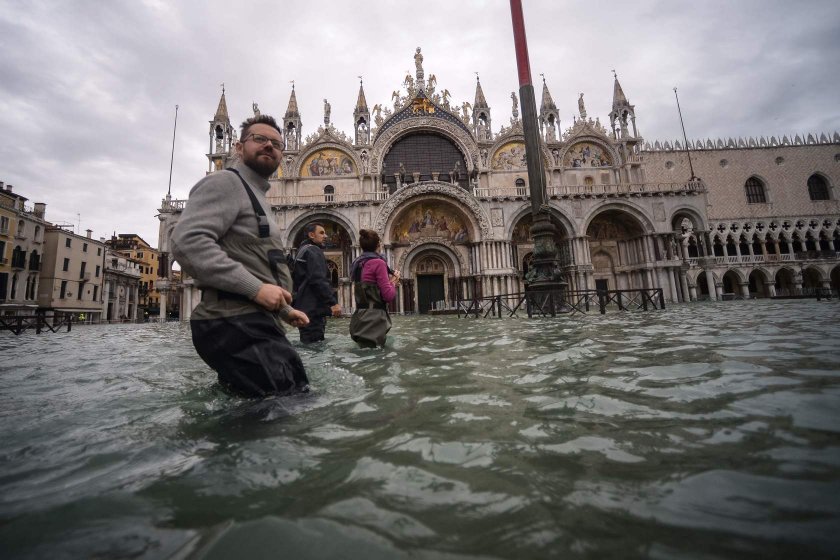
point(325, 214)
point(442, 246)
point(390, 210)
point(630, 208)
point(692, 213)
point(555, 212)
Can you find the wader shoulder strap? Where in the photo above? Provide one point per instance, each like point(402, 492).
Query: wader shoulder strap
point(262, 229)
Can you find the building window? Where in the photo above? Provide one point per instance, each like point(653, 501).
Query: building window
point(95, 292)
point(2, 252)
point(329, 193)
point(97, 273)
point(82, 270)
point(140, 255)
point(520, 187)
point(755, 191)
point(80, 292)
point(84, 247)
point(34, 261)
point(63, 289)
point(21, 228)
point(66, 266)
point(67, 242)
point(4, 225)
point(817, 187)
point(99, 251)
point(37, 236)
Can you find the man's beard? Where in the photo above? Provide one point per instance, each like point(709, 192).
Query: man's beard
point(261, 167)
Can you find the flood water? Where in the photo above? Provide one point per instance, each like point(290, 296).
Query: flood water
point(701, 431)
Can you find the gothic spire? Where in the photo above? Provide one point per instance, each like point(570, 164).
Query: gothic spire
point(547, 102)
point(292, 109)
point(361, 102)
point(480, 101)
point(619, 99)
point(221, 111)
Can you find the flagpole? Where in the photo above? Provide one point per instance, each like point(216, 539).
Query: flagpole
point(172, 157)
point(544, 275)
point(685, 138)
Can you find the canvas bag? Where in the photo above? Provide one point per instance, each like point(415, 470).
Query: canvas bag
point(371, 321)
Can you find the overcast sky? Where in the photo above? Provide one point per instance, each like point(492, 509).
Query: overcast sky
point(88, 88)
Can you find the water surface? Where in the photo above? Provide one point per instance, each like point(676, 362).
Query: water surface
point(701, 431)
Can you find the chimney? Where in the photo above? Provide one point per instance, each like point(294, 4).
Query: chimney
point(1, 185)
point(40, 210)
point(89, 233)
point(8, 188)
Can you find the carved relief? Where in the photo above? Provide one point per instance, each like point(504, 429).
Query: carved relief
point(462, 140)
point(422, 244)
point(430, 219)
point(496, 217)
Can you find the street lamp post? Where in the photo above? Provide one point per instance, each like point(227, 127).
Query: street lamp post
point(543, 281)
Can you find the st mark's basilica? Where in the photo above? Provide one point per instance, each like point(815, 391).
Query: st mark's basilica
point(447, 190)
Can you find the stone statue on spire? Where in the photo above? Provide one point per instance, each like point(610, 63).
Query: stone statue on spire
point(418, 64)
point(327, 110)
point(256, 109)
point(581, 107)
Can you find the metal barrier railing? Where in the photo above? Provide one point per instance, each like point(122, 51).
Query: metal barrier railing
point(559, 302)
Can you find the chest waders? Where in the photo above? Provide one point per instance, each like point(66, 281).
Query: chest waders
point(243, 342)
point(371, 321)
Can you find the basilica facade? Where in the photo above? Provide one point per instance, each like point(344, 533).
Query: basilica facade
point(448, 193)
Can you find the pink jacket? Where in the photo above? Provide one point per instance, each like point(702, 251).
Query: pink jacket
point(376, 271)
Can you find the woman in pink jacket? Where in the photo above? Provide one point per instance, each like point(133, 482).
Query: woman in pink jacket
point(375, 287)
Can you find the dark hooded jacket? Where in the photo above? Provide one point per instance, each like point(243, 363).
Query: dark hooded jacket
point(313, 294)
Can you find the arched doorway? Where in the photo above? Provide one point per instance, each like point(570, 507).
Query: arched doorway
point(835, 281)
point(759, 285)
point(784, 282)
point(429, 237)
point(429, 272)
point(811, 280)
point(616, 237)
point(702, 286)
point(731, 284)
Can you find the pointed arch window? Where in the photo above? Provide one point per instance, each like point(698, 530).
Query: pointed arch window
point(756, 193)
point(817, 187)
point(329, 193)
point(520, 187)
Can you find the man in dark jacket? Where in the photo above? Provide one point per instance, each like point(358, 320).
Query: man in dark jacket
point(313, 293)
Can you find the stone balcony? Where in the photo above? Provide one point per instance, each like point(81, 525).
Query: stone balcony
point(618, 190)
point(763, 259)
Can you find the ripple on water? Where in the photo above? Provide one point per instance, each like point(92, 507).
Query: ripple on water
point(702, 427)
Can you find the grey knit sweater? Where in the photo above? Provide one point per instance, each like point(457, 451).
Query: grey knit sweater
point(219, 206)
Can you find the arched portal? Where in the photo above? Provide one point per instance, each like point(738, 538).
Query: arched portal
point(784, 282)
point(731, 284)
point(811, 280)
point(759, 284)
point(429, 155)
point(616, 238)
point(432, 276)
point(835, 281)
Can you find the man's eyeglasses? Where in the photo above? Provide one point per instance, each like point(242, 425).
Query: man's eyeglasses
point(262, 140)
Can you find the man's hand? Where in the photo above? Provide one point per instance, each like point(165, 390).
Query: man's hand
point(296, 318)
point(273, 297)
point(336, 310)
